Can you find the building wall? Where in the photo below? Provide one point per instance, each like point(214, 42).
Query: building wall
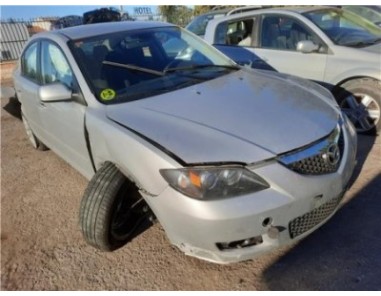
point(6, 71)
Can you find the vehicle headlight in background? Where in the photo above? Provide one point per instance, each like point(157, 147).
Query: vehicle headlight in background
point(214, 182)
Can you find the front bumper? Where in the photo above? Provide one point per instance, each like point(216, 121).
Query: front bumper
point(276, 216)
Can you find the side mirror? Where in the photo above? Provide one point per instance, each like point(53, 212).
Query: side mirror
point(307, 46)
point(55, 92)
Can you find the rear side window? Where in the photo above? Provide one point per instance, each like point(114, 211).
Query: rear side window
point(29, 62)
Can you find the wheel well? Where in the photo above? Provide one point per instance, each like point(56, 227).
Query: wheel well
point(337, 88)
point(128, 177)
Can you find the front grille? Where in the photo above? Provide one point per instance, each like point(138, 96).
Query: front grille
point(323, 157)
point(304, 223)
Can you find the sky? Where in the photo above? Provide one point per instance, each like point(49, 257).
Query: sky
point(22, 10)
point(27, 12)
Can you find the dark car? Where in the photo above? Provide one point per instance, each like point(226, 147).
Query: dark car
point(102, 15)
point(68, 21)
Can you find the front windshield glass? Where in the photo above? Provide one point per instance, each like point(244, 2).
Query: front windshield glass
point(132, 65)
point(345, 28)
point(198, 25)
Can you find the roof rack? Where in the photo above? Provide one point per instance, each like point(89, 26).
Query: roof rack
point(244, 9)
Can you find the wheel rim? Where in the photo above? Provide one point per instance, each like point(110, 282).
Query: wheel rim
point(363, 110)
point(130, 212)
point(29, 133)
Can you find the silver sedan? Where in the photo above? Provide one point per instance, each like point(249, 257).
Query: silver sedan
point(232, 162)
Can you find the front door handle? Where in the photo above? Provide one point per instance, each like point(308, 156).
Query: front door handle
point(42, 105)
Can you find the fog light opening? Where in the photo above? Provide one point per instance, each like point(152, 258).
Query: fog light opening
point(267, 221)
point(244, 243)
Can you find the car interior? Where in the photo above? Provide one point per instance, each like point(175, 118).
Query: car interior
point(145, 53)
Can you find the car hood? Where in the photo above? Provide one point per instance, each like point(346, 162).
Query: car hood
point(376, 48)
point(245, 117)
point(368, 54)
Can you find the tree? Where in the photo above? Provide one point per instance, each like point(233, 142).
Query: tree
point(200, 9)
point(168, 12)
point(176, 14)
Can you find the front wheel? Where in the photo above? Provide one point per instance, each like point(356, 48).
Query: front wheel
point(112, 210)
point(360, 100)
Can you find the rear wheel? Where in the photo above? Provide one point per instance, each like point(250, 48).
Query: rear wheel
point(112, 210)
point(360, 100)
point(36, 143)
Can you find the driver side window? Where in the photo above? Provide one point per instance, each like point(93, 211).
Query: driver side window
point(54, 66)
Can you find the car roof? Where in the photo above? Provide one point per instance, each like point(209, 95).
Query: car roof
point(303, 9)
point(290, 9)
point(90, 30)
point(230, 9)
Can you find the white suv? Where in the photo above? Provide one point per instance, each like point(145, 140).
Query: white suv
point(328, 45)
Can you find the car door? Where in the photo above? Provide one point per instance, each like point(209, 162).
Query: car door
point(63, 121)
point(27, 83)
point(278, 36)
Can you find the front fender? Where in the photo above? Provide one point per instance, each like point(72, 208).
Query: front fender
point(136, 158)
point(356, 73)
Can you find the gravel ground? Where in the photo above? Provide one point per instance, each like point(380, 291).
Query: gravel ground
point(42, 247)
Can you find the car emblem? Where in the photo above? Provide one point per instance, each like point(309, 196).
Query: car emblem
point(332, 154)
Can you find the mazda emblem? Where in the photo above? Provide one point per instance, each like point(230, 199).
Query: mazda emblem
point(332, 154)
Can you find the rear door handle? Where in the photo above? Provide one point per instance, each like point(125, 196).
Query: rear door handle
point(42, 105)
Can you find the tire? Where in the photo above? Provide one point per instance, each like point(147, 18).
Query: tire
point(360, 100)
point(112, 210)
point(36, 143)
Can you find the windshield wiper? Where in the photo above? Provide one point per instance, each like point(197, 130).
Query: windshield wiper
point(133, 67)
point(162, 73)
point(232, 67)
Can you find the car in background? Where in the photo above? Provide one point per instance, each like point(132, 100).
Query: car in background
point(231, 161)
point(369, 12)
point(199, 23)
point(68, 21)
point(102, 15)
point(334, 47)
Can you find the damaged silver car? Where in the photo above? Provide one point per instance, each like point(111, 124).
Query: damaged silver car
point(232, 162)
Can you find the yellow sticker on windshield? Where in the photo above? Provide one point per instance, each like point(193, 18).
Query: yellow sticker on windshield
point(108, 94)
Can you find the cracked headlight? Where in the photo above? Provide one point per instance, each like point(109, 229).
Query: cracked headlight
point(213, 182)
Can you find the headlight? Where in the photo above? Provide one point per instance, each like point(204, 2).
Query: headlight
point(214, 182)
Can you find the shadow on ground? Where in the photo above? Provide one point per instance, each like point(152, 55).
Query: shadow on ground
point(13, 107)
point(344, 254)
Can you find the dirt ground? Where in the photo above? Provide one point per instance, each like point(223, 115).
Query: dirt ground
point(42, 247)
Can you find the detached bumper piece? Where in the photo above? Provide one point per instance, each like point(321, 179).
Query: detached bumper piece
point(304, 223)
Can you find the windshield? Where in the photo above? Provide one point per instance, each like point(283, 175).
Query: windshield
point(345, 28)
point(198, 25)
point(132, 65)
